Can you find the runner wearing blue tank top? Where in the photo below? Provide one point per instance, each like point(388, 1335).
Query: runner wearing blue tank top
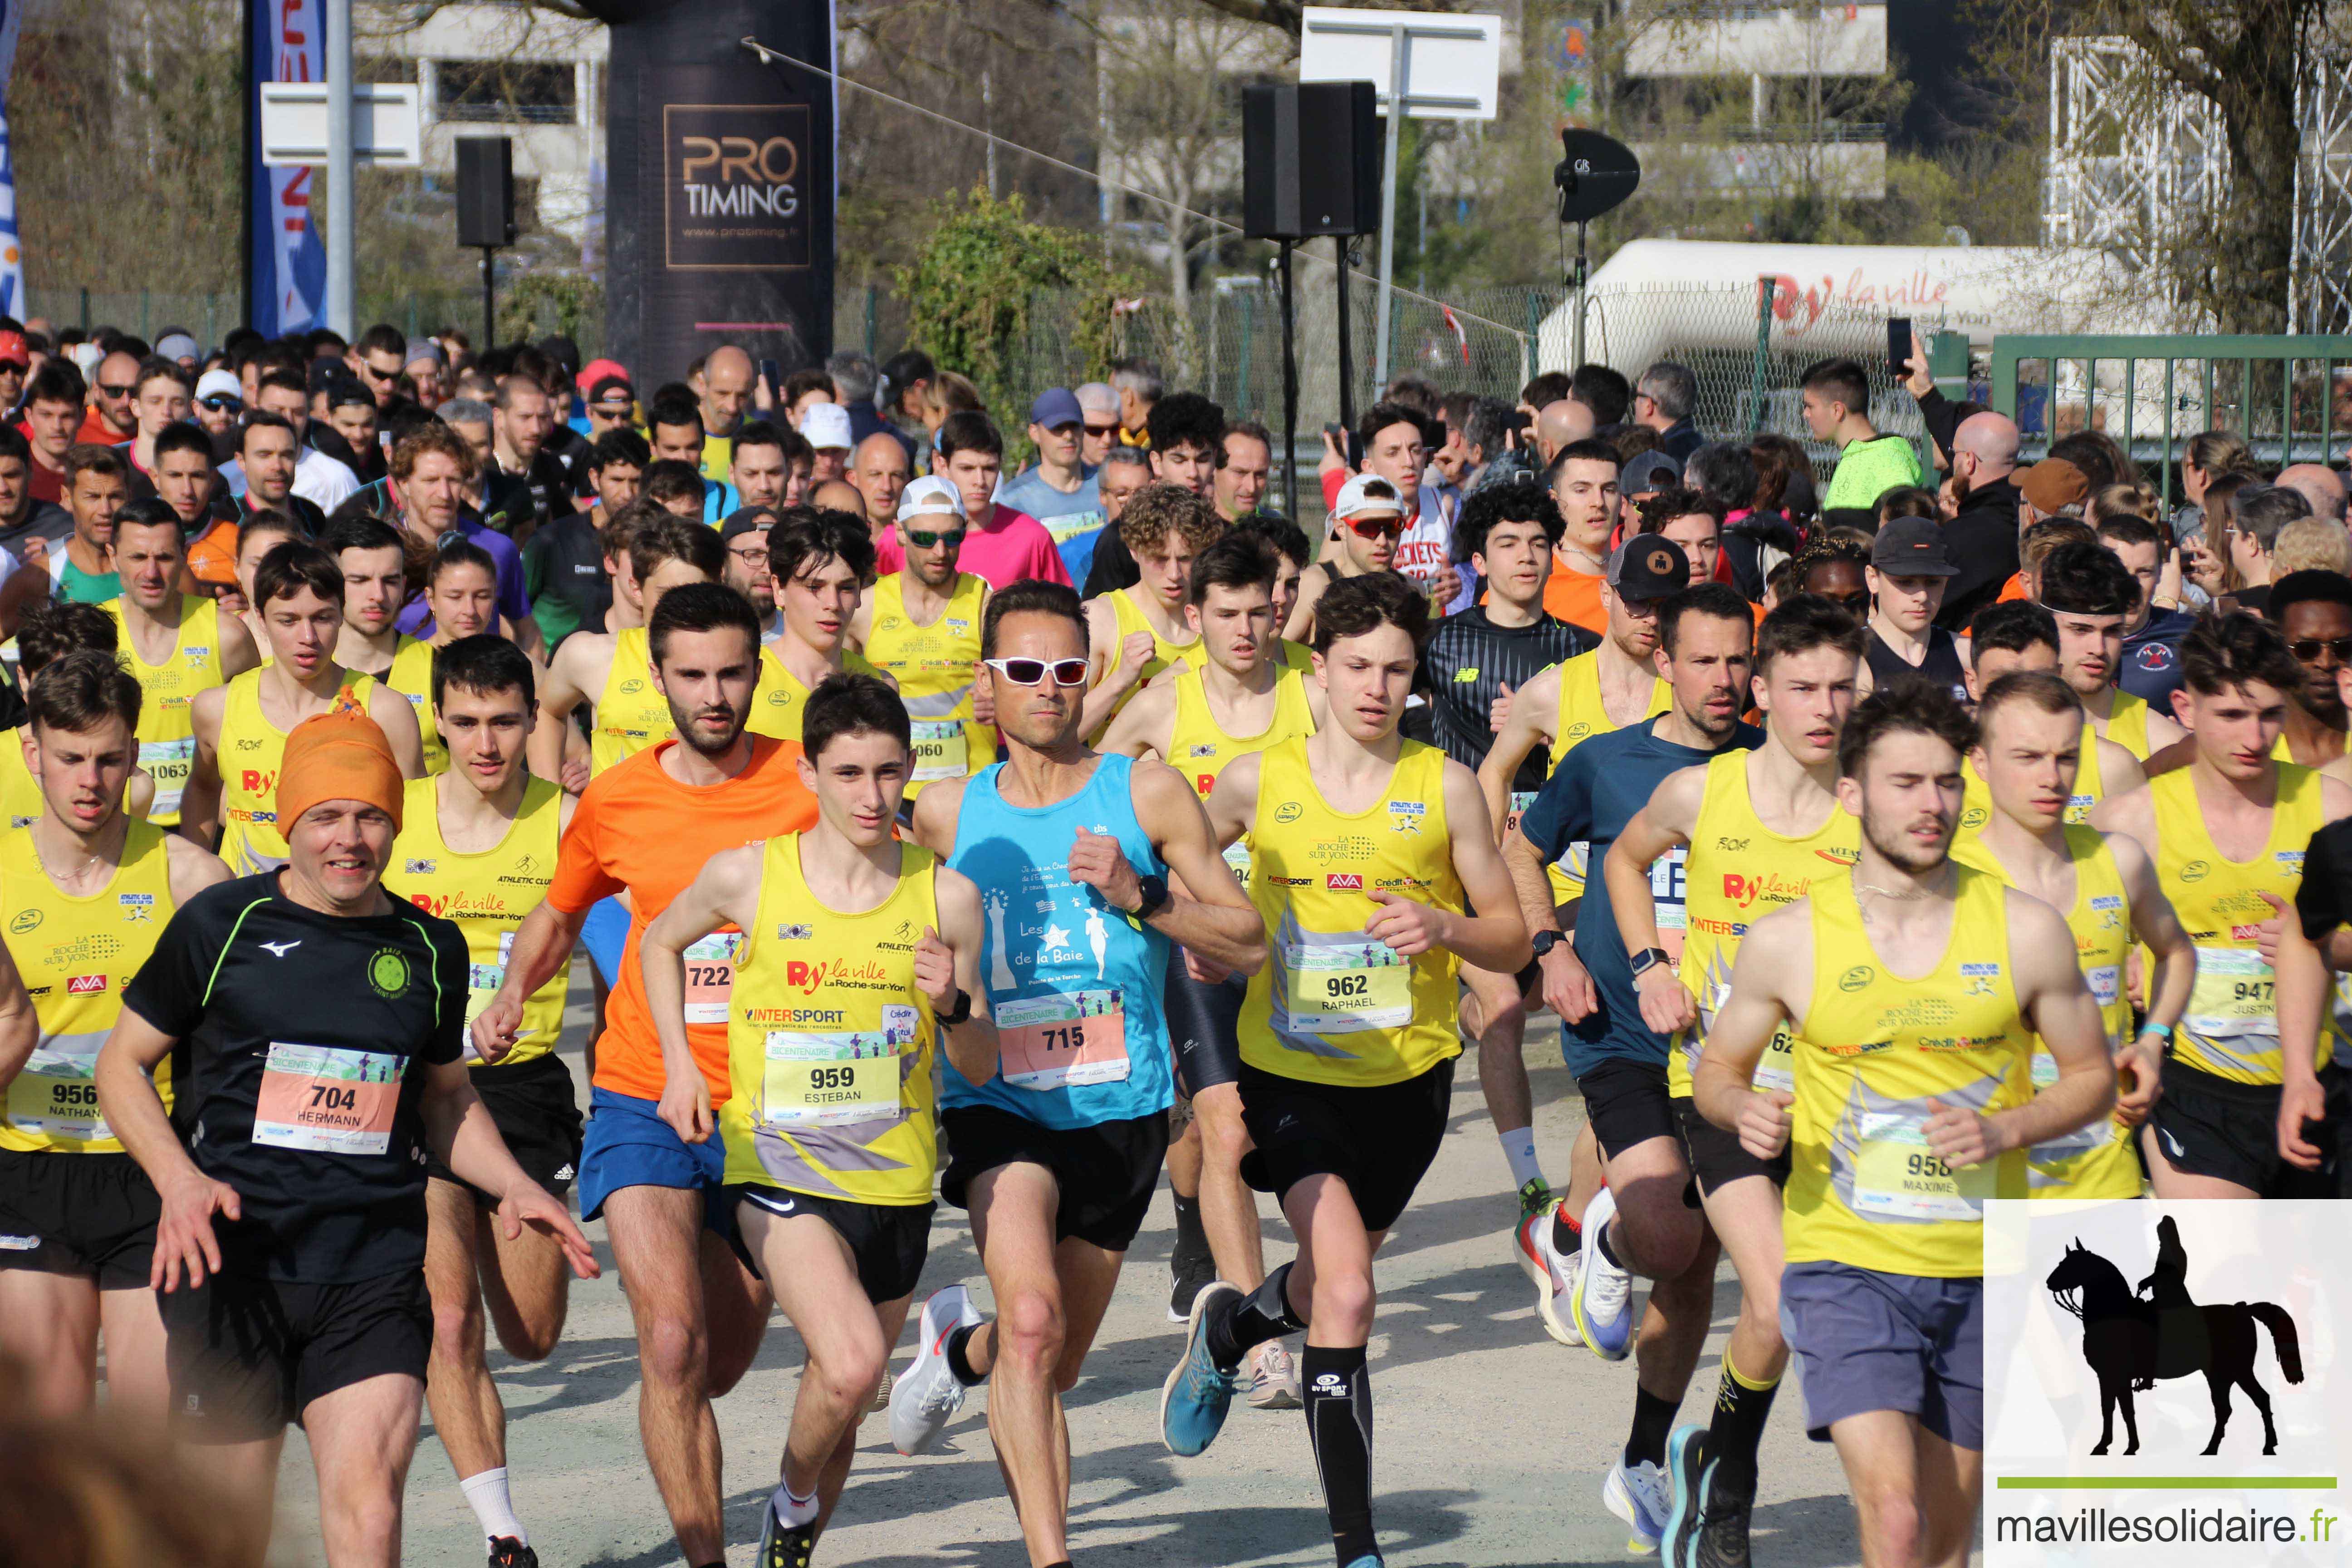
point(1055, 1155)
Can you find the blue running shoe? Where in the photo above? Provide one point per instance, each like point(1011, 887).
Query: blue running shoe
point(1368, 1560)
point(1687, 1475)
point(1198, 1393)
point(1602, 1299)
point(1638, 1495)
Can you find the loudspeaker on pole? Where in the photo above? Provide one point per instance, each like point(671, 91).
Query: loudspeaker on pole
point(484, 192)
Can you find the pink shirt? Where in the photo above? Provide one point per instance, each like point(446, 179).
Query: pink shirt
point(1013, 547)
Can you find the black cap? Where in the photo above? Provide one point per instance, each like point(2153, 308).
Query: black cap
point(1648, 566)
point(1912, 547)
point(743, 520)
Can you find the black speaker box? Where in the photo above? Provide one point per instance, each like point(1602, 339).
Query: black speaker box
point(1310, 159)
point(485, 191)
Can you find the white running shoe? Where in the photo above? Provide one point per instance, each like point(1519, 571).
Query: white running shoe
point(1642, 1496)
point(1602, 1298)
point(1552, 1272)
point(1274, 1386)
point(927, 1395)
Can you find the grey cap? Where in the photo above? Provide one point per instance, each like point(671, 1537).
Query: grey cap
point(1648, 566)
point(1648, 472)
point(177, 346)
point(422, 348)
point(1912, 547)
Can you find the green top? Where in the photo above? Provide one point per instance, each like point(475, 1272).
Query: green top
point(1868, 470)
point(81, 587)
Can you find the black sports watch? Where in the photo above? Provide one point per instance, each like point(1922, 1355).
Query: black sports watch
point(1154, 891)
point(1646, 960)
point(957, 1014)
point(1543, 942)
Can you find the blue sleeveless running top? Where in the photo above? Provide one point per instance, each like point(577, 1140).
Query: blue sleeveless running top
point(1073, 984)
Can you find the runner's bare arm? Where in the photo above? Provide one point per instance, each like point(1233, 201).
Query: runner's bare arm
point(397, 719)
point(970, 1046)
point(1530, 725)
point(2054, 1003)
point(1109, 687)
point(2119, 770)
point(861, 621)
point(20, 1027)
point(1495, 939)
point(189, 869)
point(1232, 805)
point(200, 800)
point(542, 944)
point(184, 1243)
point(458, 1130)
point(1663, 826)
point(2154, 923)
point(1211, 916)
point(1145, 727)
point(2163, 730)
point(2335, 798)
point(1774, 964)
point(2304, 989)
point(564, 689)
point(937, 810)
point(1312, 584)
point(2133, 816)
point(237, 653)
point(1566, 986)
point(726, 892)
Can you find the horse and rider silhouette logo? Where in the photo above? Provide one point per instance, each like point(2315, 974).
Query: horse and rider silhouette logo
point(2133, 1338)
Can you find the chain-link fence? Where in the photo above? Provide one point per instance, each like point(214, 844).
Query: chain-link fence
point(210, 316)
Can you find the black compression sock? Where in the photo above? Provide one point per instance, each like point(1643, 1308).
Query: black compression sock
point(1742, 1406)
point(1337, 1388)
point(1191, 1237)
point(1264, 1314)
point(1654, 1419)
point(958, 1367)
point(1567, 1233)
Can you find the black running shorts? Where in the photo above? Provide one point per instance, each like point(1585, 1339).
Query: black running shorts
point(888, 1241)
point(1379, 1139)
point(1205, 1020)
point(536, 1109)
point(88, 1215)
point(248, 1355)
point(1717, 1157)
point(1626, 1102)
point(1107, 1172)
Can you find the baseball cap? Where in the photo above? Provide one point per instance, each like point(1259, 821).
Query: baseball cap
point(345, 392)
point(2054, 484)
point(1054, 409)
point(217, 383)
point(14, 350)
point(827, 426)
point(601, 390)
point(421, 348)
point(745, 520)
point(930, 497)
point(1912, 547)
point(177, 346)
point(1098, 397)
point(1647, 472)
point(1363, 495)
point(1648, 566)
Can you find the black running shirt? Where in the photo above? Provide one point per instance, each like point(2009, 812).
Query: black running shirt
point(1942, 664)
point(1463, 666)
point(299, 1035)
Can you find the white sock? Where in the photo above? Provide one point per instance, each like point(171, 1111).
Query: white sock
point(1519, 1149)
point(488, 1493)
point(793, 1510)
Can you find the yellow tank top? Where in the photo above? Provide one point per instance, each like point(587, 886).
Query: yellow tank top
point(1297, 656)
point(1198, 748)
point(1130, 619)
point(1580, 716)
point(250, 749)
point(1332, 1004)
point(2128, 724)
point(20, 791)
point(412, 675)
point(487, 892)
point(1976, 801)
point(167, 734)
point(830, 1043)
point(933, 666)
point(2230, 1028)
point(2097, 1161)
point(1873, 1049)
point(75, 955)
point(776, 707)
point(630, 713)
point(1737, 871)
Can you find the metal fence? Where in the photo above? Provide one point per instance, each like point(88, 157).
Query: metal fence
point(209, 317)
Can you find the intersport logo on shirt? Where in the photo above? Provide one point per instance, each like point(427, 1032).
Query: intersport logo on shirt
point(2160, 1380)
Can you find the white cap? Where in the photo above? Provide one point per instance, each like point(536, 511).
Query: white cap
point(930, 497)
point(214, 382)
point(826, 426)
point(1358, 498)
point(1097, 397)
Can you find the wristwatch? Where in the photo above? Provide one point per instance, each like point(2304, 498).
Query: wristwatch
point(1646, 960)
point(1543, 942)
point(957, 1014)
point(1154, 891)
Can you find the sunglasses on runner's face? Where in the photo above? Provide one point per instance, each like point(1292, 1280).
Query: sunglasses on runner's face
point(221, 401)
point(925, 538)
point(2305, 649)
point(123, 391)
point(1099, 430)
point(1377, 527)
point(1032, 671)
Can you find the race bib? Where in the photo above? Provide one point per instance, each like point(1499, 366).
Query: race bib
point(941, 751)
point(1667, 885)
point(1237, 859)
point(1896, 1176)
point(2236, 994)
point(1062, 1040)
point(483, 979)
point(1341, 987)
point(1776, 1068)
point(56, 1096)
point(2078, 808)
point(826, 1081)
point(327, 1101)
point(168, 763)
point(1520, 800)
point(710, 976)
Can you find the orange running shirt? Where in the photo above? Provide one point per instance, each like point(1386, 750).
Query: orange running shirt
point(1575, 598)
point(639, 830)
